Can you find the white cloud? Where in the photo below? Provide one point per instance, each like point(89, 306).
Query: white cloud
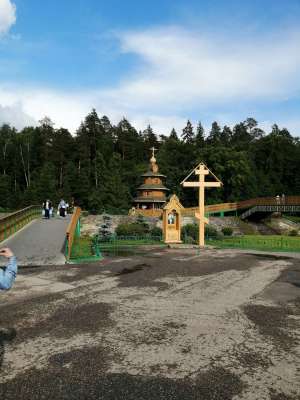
point(181, 68)
point(15, 116)
point(178, 74)
point(292, 125)
point(7, 15)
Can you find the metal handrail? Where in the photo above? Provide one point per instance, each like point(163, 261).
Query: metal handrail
point(73, 230)
point(271, 208)
point(13, 222)
point(259, 201)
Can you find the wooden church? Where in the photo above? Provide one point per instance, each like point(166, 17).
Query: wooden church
point(152, 193)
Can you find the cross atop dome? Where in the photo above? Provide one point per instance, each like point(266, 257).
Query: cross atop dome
point(153, 149)
point(153, 159)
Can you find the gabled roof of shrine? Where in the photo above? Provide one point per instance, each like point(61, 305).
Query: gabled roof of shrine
point(173, 203)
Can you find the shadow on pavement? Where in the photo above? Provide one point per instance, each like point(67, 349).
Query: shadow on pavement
point(6, 335)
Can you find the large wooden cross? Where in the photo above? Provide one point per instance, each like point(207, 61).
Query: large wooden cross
point(201, 170)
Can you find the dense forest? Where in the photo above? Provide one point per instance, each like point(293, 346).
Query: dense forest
point(100, 166)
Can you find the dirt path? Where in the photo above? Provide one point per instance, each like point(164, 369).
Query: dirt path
point(167, 325)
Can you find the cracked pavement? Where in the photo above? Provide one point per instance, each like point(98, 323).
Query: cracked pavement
point(166, 324)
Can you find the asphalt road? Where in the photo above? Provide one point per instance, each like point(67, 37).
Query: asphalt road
point(40, 242)
point(165, 325)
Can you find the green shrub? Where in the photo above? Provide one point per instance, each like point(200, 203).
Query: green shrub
point(141, 221)
point(227, 231)
point(190, 231)
point(293, 232)
point(156, 231)
point(131, 230)
point(210, 231)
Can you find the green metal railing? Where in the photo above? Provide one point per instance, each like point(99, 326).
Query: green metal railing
point(13, 222)
point(280, 243)
point(118, 244)
point(79, 249)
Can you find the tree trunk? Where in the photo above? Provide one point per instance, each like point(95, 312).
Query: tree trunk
point(24, 167)
point(4, 158)
point(28, 163)
point(61, 176)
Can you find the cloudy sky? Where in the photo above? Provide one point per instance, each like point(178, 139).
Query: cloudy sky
point(159, 62)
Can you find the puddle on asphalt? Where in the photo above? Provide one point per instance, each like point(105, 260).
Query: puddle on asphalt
point(122, 253)
point(135, 268)
point(270, 256)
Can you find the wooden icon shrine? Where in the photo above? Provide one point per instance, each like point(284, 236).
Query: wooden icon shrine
point(172, 220)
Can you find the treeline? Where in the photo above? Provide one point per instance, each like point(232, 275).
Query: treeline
point(100, 166)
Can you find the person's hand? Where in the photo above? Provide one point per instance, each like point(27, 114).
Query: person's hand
point(6, 252)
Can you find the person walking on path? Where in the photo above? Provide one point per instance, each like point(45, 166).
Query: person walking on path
point(47, 207)
point(62, 208)
point(8, 274)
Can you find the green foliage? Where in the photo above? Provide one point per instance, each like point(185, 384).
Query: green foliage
point(141, 220)
point(293, 232)
point(5, 193)
point(135, 229)
point(100, 166)
point(227, 231)
point(190, 231)
point(210, 231)
point(156, 232)
point(188, 135)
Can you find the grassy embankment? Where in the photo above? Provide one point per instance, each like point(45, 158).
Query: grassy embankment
point(259, 242)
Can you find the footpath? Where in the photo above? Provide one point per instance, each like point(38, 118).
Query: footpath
point(39, 243)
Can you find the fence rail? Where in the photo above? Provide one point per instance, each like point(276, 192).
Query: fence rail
point(260, 201)
point(79, 249)
point(73, 230)
point(258, 243)
point(227, 207)
point(13, 222)
point(271, 208)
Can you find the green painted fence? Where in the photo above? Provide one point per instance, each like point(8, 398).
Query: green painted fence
point(79, 249)
point(269, 243)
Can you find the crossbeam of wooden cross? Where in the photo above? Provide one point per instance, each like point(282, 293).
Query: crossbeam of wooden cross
point(201, 170)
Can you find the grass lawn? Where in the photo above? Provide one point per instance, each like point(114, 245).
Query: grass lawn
point(259, 242)
point(83, 249)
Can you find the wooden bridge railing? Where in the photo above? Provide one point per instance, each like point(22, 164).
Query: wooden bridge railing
point(73, 231)
point(13, 222)
point(260, 201)
point(226, 207)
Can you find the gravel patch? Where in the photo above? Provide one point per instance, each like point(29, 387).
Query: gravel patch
point(275, 323)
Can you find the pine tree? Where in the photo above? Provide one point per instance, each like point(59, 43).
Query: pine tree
point(225, 136)
point(173, 135)
point(199, 139)
point(150, 139)
point(214, 137)
point(188, 135)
